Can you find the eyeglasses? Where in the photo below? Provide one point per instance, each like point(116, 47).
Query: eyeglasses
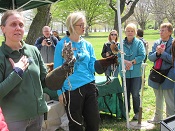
point(163, 30)
point(113, 34)
point(81, 26)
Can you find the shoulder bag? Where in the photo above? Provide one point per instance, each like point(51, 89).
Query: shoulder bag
point(158, 75)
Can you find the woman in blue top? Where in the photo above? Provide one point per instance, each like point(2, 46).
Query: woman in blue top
point(79, 88)
point(134, 55)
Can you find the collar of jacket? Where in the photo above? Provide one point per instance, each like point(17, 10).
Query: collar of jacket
point(126, 41)
point(9, 53)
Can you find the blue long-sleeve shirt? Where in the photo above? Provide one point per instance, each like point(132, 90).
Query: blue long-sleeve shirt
point(83, 67)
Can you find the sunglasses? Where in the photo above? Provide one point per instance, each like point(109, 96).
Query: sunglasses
point(113, 34)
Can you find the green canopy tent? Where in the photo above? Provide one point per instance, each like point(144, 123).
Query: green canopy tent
point(23, 4)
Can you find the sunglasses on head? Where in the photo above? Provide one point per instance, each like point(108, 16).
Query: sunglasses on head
point(113, 34)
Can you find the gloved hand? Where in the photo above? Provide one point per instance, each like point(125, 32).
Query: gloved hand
point(102, 64)
point(55, 79)
point(114, 47)
point(50, 66)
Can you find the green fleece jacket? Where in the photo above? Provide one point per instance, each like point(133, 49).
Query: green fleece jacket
point(22, 97)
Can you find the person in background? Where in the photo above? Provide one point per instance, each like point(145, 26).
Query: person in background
point(164, 90)
point(79, 88)
point(112, 70)
point(133, 58)
point(67, 33)
point(55, 33)
point(22, 73)
point(3, 124)
point(140, 34)
point(46, 45)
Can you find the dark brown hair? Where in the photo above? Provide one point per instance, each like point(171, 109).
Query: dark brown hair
point(109, 36)
point(140, 32)
point(7, 14)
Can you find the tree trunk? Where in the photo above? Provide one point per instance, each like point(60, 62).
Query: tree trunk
point(155, 25)
point(142, 25)
point(122, 6)
point(86, 31)
point(116, 21)
point(42, 18)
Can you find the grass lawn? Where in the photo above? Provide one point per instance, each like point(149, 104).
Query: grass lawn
point(112, 124)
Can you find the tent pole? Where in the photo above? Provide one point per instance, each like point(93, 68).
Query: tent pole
point(13, 4)
point(122, 60)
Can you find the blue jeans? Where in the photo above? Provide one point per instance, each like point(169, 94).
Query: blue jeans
point(34, 124)
point(133, 86)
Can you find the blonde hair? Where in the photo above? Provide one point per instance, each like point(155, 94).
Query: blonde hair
point(72, 19)
point(109, 36)
point(132, 26)
point(168, 26)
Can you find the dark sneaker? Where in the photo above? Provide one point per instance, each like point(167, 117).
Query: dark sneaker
point(136, 116)
point(153, 121)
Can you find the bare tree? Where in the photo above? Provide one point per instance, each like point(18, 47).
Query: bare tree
point(42, 18)
point(158, 8)
point(123, 3)
point(141, 13)
point(170, 11)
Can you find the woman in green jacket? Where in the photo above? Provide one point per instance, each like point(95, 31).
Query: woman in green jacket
point(22, 73)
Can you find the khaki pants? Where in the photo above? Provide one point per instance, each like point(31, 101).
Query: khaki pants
point(160, 95)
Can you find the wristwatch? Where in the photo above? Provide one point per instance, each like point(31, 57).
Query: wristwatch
point(132, 61)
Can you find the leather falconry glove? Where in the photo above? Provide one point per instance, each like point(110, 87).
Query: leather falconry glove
point(55, 79)
point(50, 66)
point(102, 64)
point(114, 47)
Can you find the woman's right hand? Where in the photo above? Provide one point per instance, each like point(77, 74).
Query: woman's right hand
point(61, 99)
point(23, 63)
point(160, 49)
point(128, 64)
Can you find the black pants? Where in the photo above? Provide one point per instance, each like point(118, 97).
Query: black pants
point(83, 110)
